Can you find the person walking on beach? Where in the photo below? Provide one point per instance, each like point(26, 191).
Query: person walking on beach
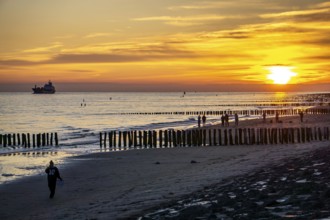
point(222, 120)
point(199, 120)
point(226, 120)
point(52, 175)
point(236, 119)
point(204, 119)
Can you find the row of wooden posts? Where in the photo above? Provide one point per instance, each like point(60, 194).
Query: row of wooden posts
point(232, 112)
point(25, 140)
point(121, 140)
point(272, 104)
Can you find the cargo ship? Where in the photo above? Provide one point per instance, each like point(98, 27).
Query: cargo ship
point(47, 89)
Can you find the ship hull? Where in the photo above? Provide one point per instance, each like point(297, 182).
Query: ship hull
point(43, 92)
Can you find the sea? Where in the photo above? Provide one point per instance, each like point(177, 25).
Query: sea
point(79, 117)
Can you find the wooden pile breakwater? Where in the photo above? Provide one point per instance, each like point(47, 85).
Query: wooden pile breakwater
point(255, 112)
point(29, 140)
point(124, 140)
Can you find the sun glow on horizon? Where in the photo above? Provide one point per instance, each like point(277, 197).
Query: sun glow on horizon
point(280, 74)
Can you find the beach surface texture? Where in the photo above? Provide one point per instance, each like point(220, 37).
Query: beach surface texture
point(135, 183)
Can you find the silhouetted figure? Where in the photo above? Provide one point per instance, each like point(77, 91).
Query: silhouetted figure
point(204, 119)
point(199, 120)
point(226, 120)
point(52, 175)
point(222, 120)
point(301, 114)
point(236, 119)
point(277, 117)
point(264, 117)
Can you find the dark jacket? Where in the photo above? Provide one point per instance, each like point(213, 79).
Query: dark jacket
point(52, 174)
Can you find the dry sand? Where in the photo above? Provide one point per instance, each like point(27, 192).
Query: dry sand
point(120, 184)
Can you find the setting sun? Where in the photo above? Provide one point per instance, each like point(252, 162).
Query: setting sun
point(280, 74)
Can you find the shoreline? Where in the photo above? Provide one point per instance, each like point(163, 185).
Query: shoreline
point(41, 153)
point(120, 184)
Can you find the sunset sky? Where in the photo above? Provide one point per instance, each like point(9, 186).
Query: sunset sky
point(164, 45)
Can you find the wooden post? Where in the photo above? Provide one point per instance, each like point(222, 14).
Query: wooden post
point(9, 139)
point(193, 137)
point(34, 140)
point(298, 135)
point(100, 139)
point(150, 139)
point(210, 137)
point(110, 139)
point(265, 136)
point(4, 140)
point(129, 136)
point(119, 139)
point(230, 137)
point(51, 139)
point(125, 139)
point(56, 139)
point(160, 138)
point(174, 139)
point(145, 134)
point(320, 134)
point(219, 137)
point(170, 138)
point(166, 138)
point(292, 135)
point(253, 136)
point(18, 139)
point(115, 140)
point(236, 137)
point(154, 139)
point(0, 139)
point(226, 137)
point(184, 138)
point(257, 136)
point(245, 136)
point(43, 139)
point(198, 139)
point(240, 136)
point(270, 135)
point(47, 138)
point(308, 134)
point(24, 142)
point(179, 138)
point(105, 140)
point(135, 139)
point(261, 136)
point(315, 133)
point(140, 139)
point(38, 140)
point(303, 134)
point(204, 137)
point(28, 140)
point(214, 137)
point(14, 139)
point(189, 138)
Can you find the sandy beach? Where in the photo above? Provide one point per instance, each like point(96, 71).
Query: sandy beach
point(118, 185)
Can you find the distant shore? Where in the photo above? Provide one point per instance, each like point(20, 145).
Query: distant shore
point(117, 185)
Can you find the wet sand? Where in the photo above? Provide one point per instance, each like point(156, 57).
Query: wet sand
point(118, 185)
